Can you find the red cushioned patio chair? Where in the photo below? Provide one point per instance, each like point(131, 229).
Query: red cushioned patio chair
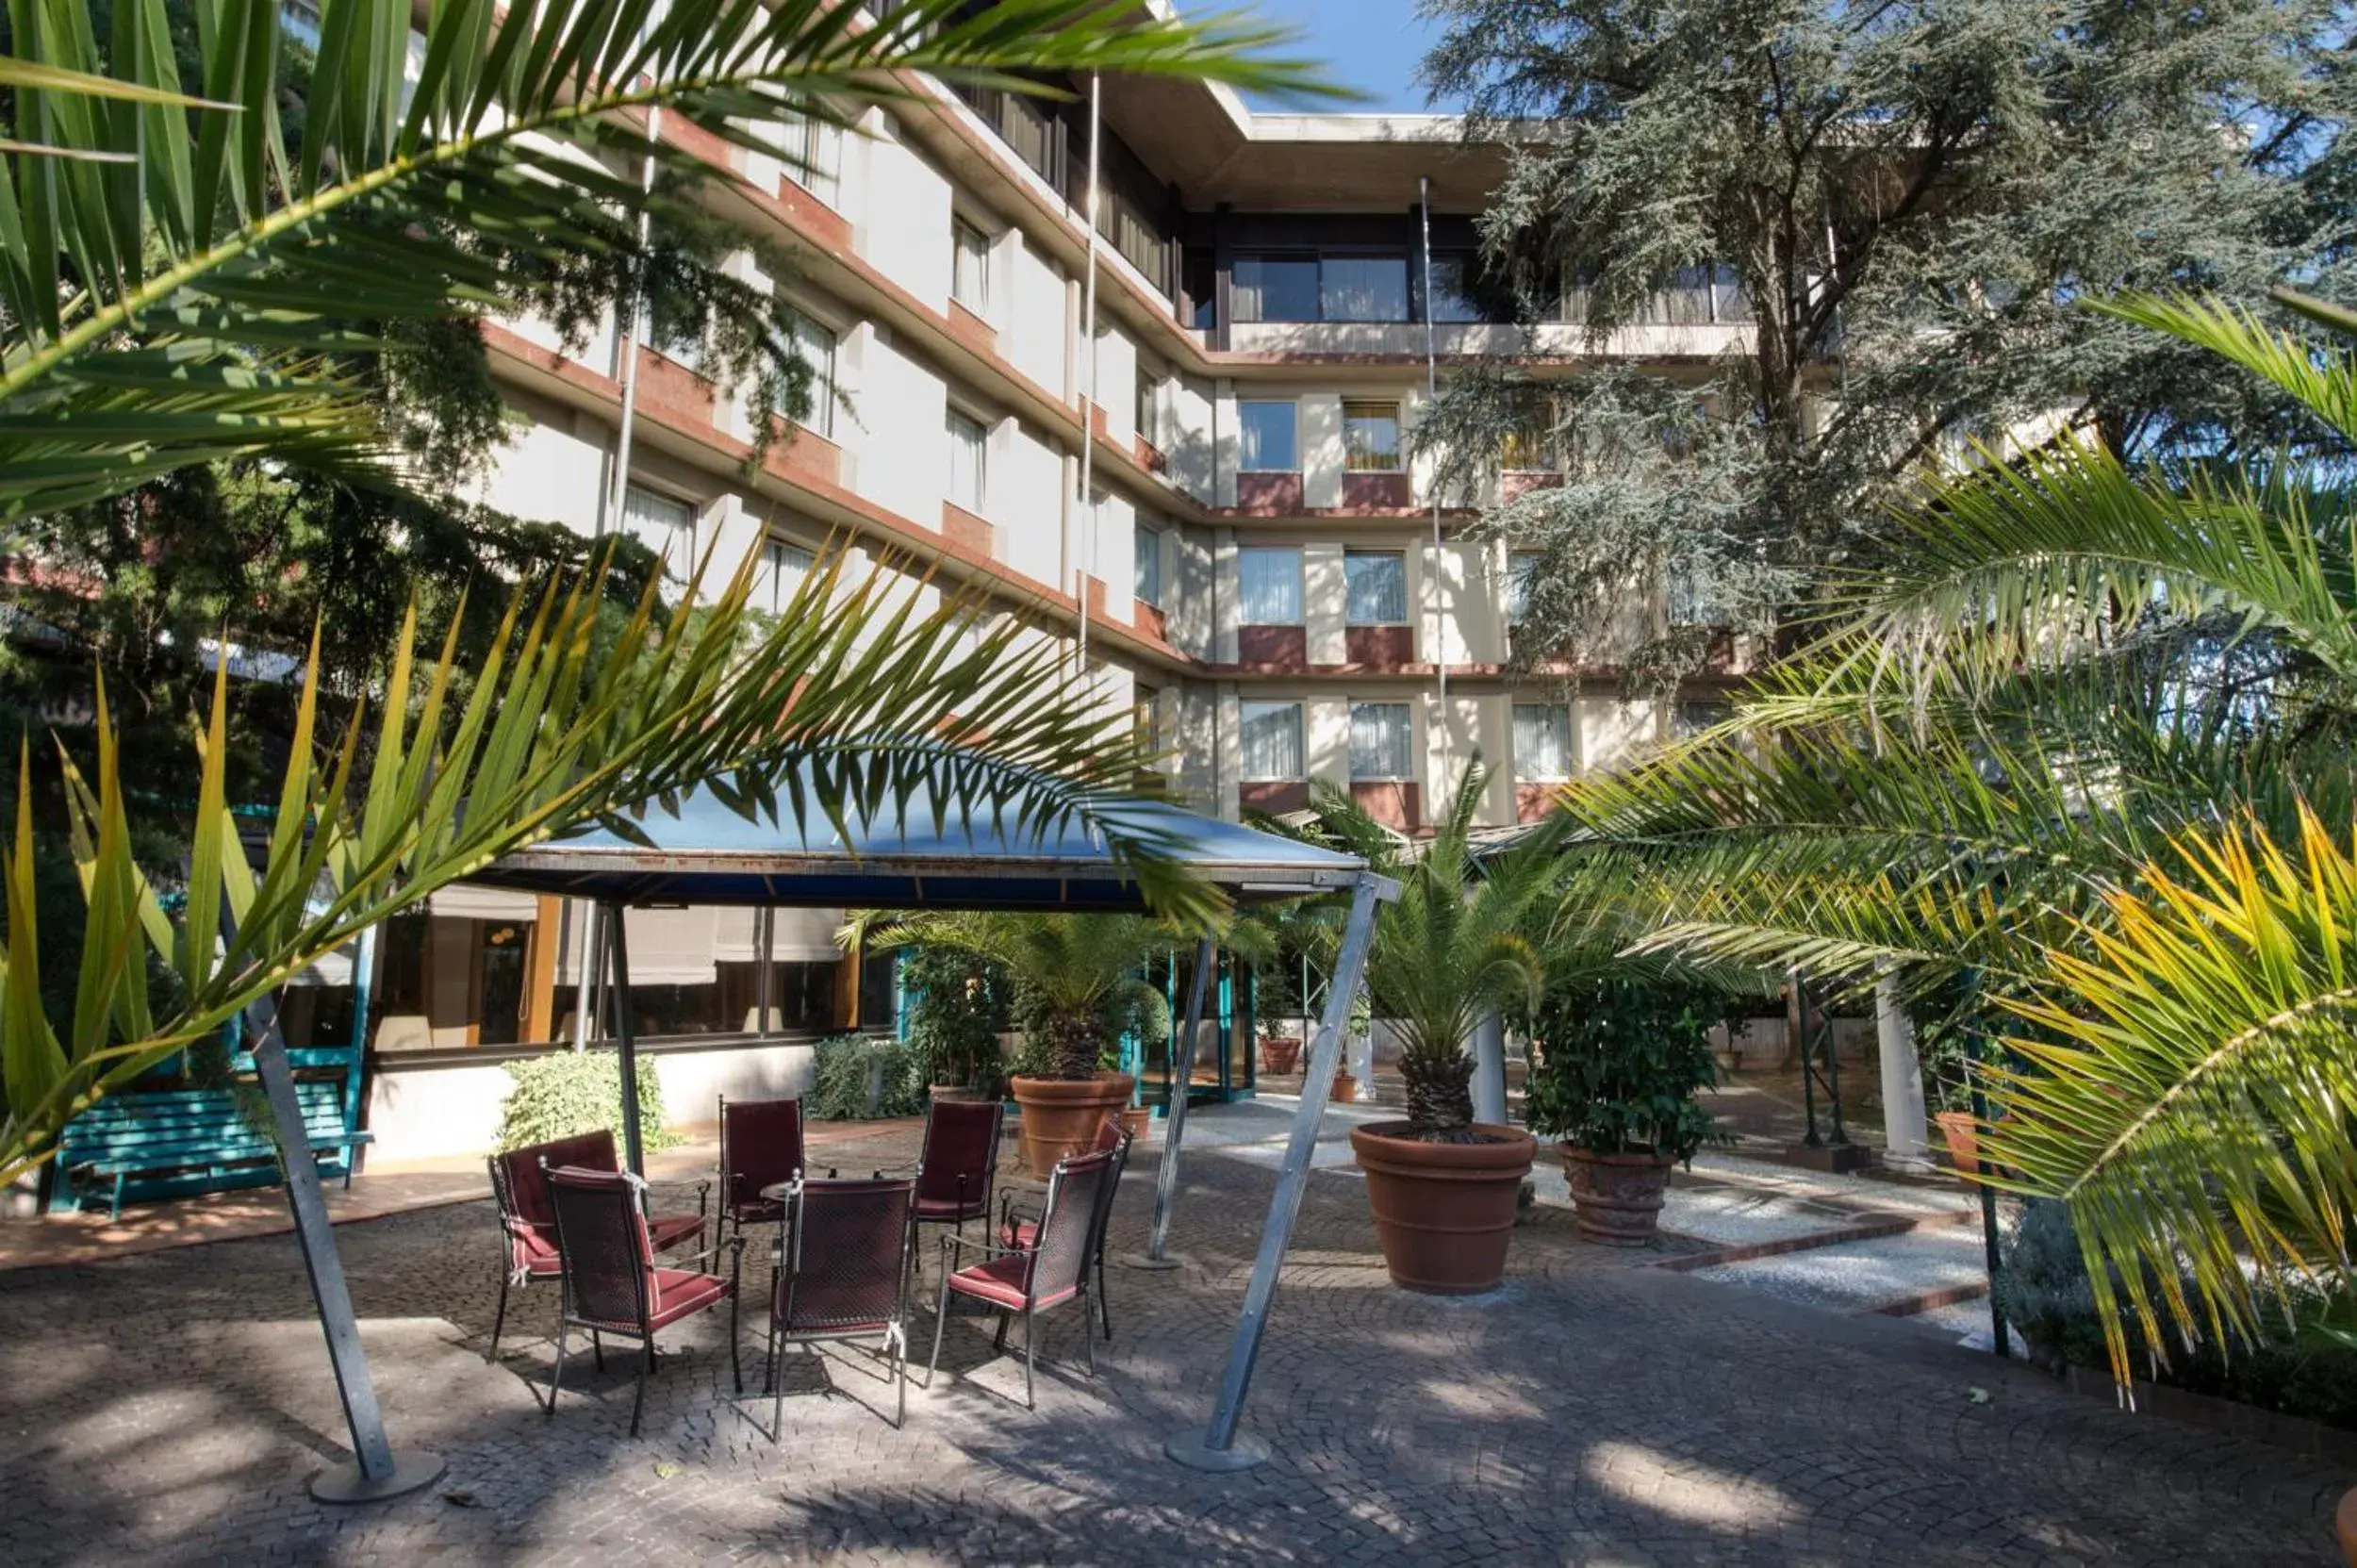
point(1050, 1272)
point(612, 1284)
point(1018, 1230)
point(844, 1274)
point(528, 1225)
point(761, 1146)
point(958, 1165)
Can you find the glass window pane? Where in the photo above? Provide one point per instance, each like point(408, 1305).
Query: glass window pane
point(1521, 566)
point(969, 281)
point(1270, 585)
point(1364, 288)
point(665, 526)
point(1452, 289)
point(1267, 436)
point(1274, 288)
point(1370, 436)
point(1542, 741)
point(780, 576)
point(816, 343)
point(1376, 587)
point(1271, 737)
point(966, 452)
point(1149, 566)
point(1379, 733)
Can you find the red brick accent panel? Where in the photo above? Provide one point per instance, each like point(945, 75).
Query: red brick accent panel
point(1150, 457)
point(1379, 647)
point(688, 137)
point(1272, 647)
point(1532, 801)
point(1096, 586)
point(971, 329)
point(668, 386)
point(1268, 495)
point(803, 454)
point(1149, 620)
point(1393, 804)
point(1097, 418)
point(1375, 490)
point(1513, 487)
point(1275, 796)
point(823, 222)
point(962, 528)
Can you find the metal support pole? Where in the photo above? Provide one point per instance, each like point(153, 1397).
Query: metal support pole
point(1807, 1052)
point(767, 999)
point(1175, 1125)
point(1217, 1447)
point(2000, 1336)
point(618, 948)
point(380, 1470)
point(1489, 1080)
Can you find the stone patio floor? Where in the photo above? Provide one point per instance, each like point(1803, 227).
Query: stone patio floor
point(169, 1408)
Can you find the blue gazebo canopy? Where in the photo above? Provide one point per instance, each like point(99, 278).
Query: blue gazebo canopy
point(706, 851)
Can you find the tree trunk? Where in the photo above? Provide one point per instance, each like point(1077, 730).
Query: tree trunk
point(1440, 1095)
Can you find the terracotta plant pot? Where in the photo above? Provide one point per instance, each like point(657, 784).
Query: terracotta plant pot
point(1616, 1197)
point(1281, 1054)
point(1346, 1089)
point(1137, 1120)
point(1061, 1115)
point(1443, 1213)
point(2345, 1527)
point(1964, 1141)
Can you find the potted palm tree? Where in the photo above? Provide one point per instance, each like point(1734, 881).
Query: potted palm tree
point(1617, 1062)
point(958, 1005)
point(1455, 947)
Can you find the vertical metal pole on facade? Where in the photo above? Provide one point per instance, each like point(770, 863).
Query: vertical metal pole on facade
point(1807, 1046)
point(1217, 1448)
point(378, 1471)
point(626, 1041)
point(1999, 1336)
point(1175, 1126)
point(766, 920)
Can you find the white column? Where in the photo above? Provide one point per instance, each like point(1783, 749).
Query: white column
point(1902, 1082)
point(1488, 1079)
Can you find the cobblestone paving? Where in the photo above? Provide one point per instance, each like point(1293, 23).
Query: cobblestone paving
point(169, 1409)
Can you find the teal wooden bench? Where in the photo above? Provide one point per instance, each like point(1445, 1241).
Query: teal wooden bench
point(172, 1143)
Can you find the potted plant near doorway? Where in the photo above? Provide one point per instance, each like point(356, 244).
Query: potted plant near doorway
point(1455, 945)
point(958, 1006)
point(1618, 1059)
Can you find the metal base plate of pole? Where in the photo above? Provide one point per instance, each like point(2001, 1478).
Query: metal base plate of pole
point(1193, 1448)
point(348, 1483)
point(1147, 1262)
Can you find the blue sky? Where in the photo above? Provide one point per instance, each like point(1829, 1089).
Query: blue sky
point(1374, 45)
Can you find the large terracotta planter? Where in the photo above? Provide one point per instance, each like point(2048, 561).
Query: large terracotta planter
point(1279, 1054)
point(1964, 1141)
point(1137, 1120)
point(1616, 1198)
point(1346, 1089)
point(1061, 1115)
point(2345, 1527)
point(1443, 1213)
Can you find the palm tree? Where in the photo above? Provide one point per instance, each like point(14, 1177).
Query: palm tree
point(1461, 941)
point(2080, 749)
point(176, 283)
point(851, 704)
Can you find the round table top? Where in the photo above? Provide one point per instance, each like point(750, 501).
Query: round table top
point(776, 1192)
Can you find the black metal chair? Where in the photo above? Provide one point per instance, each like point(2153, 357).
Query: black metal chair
point(958, 1165)
point(1016, 1230)
point(761, 1146)
point(1054, 1270)
point(843, 1274)
point(612, 1284)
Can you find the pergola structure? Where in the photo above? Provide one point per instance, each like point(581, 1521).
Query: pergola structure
point(704, 849)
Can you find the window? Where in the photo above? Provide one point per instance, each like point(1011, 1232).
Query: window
point(1531, 448)
point(1269, 439)
point(665, 526)
point(969, 280)
point(1145, 716)
point(1370, 436)
point(811, 151)
point(1380, 734)
point(1148, 425)
point(780, 576)
point(1270, 584)
point(1542, 741)
point(1270, 736)
point(1149, 570)
point(1274, 288)
point(1452, 289)
point(1521, 566)
point(816, 343)
point(1374, 585)
point(1691, 604)
point(673, 328)
point(968, 443)
point(1691, 719)
point(1364, 288)
point(1026, 130)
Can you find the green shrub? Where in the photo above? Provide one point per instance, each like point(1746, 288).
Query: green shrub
point(848, 1064)
point(1618, 1062)
point(958, 1003)
point(562, 1093)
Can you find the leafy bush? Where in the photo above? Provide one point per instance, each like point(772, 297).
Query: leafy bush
point(848, 1064)
point(1618, 1063)
point(2302, 1364)
point(562, 1093)
point(958, 1004)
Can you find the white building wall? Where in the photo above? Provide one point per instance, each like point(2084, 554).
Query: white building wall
point(1031, 521)
point(1188, 437)
point(1319, 416)
point(904, 229)
point(1117, 383)
point(904, 437)
point(1031, 333)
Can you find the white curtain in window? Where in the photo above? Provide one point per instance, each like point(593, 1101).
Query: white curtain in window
point(1376, 586)
point(1271, 736)
point(965, 462)
point(1363, 289)
point(1270, 585)
point(1542, 740)
point(1149, 566)
point(666, 526)
point(816, 343)
point(1378, 740)
point(780, 575)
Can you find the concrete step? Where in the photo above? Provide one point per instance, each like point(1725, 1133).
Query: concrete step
point(1899, 1275)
